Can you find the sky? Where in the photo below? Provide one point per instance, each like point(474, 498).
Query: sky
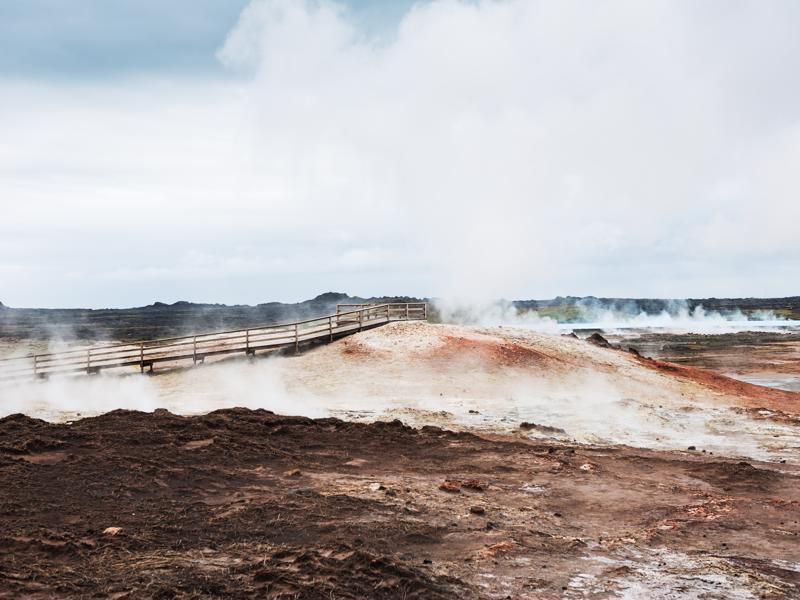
point(247, 151)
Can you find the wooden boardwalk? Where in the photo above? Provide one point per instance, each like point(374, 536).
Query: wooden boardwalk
point(349, 318)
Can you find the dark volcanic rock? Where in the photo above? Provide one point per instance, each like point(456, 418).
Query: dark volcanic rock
point(598, 340)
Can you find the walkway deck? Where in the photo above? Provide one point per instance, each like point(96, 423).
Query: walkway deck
point(348, 319)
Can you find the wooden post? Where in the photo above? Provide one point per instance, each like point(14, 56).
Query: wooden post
point(369, 315)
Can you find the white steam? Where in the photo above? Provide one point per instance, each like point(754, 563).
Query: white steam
point(237, 383)
point(601, 398)
point(677, 317)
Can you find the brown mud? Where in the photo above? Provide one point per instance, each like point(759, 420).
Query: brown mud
point(758, 356)
point(249, 504)
point(749, 395)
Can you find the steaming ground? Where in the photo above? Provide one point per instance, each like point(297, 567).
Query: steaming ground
point(251, 504)
point(467, 378)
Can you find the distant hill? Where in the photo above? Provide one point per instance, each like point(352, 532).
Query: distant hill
point(159, 320)
point(566, 305)
point(164, 320)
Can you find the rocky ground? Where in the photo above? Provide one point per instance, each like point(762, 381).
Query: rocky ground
point(245, 504)
point(537, 467)
point(765, 357)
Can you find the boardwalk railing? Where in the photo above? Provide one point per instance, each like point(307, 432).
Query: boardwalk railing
point(196, 348)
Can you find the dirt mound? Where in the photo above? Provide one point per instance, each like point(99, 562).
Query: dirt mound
point(348, 574)
point(748, 394)
point(492, 353)
point(736, 475)
point(244, 504)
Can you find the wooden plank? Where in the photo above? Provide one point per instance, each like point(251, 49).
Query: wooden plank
point(347, 320)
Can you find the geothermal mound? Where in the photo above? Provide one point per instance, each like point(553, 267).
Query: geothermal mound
point(493, 379)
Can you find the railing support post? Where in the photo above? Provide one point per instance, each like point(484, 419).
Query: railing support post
point(169, 349)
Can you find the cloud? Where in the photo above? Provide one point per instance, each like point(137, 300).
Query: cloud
point(513, 148)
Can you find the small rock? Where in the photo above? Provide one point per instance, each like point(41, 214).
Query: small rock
point(292, 473)
point(473, 484)
point(453, 487)
point(477, 510)
point(112, 530)
point(376, 487)
point(691, 448)
point(556, 514)
point(391, 493)
point(474, 412)
point(527, 426)
point(499, 548)
point(598, 340)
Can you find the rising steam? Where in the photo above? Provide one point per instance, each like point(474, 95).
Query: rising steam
point(676, 317)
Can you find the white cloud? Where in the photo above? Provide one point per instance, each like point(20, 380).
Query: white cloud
point(514, 148)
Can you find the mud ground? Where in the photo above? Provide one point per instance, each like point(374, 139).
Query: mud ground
point(764, 357)
point(249, 504)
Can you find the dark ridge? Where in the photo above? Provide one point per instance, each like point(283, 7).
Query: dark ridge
point(160, 320)
point(186, 318)
point(658, 305)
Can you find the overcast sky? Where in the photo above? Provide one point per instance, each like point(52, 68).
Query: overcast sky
point(242, 152)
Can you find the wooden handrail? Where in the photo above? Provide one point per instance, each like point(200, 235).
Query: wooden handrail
point(196, 347)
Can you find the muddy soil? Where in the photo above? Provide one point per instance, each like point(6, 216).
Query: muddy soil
point(762, 357)
point(249, 504)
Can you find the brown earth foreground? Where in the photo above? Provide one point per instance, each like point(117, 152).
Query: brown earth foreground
point(246, 504)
